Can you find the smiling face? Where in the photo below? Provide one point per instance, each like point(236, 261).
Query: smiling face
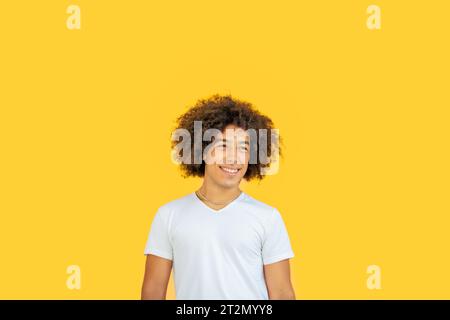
point(228, 158)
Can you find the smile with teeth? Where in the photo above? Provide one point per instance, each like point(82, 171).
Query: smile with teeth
point(228, 170)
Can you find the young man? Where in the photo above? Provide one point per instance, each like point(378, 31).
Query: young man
point(221, 242)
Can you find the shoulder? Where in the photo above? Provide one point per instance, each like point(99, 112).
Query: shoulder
point(262, 209)
point(173, 206)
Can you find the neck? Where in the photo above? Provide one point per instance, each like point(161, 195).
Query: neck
point(217, 193)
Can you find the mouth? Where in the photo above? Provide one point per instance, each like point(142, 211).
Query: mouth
point(229, 170)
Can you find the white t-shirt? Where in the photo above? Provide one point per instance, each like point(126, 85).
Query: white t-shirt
point(219, 254)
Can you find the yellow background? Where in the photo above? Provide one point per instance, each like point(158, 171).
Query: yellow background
point(86, 117)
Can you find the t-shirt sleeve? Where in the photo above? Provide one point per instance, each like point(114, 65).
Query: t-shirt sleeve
point(158, 241)
point(276, 245)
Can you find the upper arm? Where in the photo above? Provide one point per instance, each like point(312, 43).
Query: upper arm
point(276, 245)
point(156, 277)
point(158, 241)
point(278, 280)
point(158, 250)
point(276, 252)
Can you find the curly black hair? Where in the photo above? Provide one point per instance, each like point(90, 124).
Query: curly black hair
point(219, 111)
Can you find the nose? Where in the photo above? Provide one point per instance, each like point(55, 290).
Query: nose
point(233, 156)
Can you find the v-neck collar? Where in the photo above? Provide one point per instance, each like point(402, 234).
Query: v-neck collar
point(197, 199)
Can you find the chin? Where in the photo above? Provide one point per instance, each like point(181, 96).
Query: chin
point(227, 183)
point(227, 180)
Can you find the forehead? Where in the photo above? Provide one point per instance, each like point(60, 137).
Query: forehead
point(234, 132)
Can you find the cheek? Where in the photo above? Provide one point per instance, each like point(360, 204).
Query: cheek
point(212, 157)
point(217, 156)
point(243, 158)
point(212, 169)
point(244, 170)
point(218, 172)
